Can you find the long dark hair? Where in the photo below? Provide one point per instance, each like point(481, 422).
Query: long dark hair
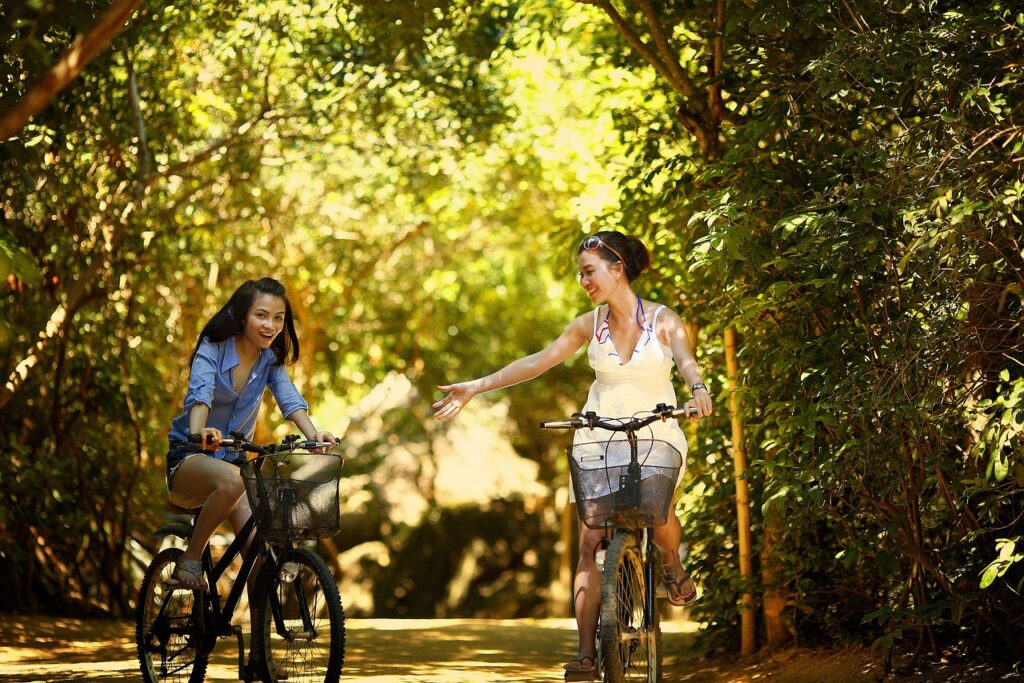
point(229, 321)
point(635, 256)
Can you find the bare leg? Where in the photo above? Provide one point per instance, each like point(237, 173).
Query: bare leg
point(667, 537)
point(587, 591)
point(220, 485)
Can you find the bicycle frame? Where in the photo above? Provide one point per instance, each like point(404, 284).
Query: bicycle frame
point(216, 618)
point(627, 498)
point(195, 623)
point(222, 616)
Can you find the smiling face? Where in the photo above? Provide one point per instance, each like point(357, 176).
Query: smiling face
point(264, 321)
point(597, 276)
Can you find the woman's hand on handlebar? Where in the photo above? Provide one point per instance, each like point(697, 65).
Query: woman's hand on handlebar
point(702, 403)
point(324, 437)
point(210, 438)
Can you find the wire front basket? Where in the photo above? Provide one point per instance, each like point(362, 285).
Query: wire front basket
point(295, 496)
point(605, 496)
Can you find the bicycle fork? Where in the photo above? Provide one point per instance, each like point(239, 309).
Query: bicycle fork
point(650, 578)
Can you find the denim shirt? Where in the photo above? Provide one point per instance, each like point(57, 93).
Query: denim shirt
point(210, 383)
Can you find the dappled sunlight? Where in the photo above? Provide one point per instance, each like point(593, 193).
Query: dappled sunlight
point(378, 650)
point(53, 650)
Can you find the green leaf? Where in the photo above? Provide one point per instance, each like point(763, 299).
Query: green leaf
point(15, 260)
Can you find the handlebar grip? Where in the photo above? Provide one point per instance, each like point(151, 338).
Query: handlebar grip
point(226, 442)
point(312, 443)
point(561, 424)
point(686, 411)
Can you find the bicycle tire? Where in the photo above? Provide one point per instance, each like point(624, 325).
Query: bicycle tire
point(275, 652)
point(630, 638)
point(172, 614)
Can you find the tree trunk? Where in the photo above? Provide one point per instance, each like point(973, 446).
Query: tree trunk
point(82, 51)
point(739, 458)
point(774, 602)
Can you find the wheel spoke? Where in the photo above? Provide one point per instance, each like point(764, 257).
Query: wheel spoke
point(628, 634)
point(305, 638)
point(165, 633)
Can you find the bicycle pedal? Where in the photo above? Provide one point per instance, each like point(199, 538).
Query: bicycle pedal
point(572, 676)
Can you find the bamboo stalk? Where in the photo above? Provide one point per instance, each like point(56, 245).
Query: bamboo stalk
point(739, 459)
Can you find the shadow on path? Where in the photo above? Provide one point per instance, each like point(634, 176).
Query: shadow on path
point(55, 650)
point(49, 650)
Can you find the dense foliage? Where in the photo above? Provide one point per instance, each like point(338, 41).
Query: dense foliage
point(841, 185)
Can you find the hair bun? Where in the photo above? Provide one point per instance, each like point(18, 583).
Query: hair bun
point(638, 257)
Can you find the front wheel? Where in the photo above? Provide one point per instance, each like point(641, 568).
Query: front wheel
point(630, 637)
point(299, 634)
point(167, 635)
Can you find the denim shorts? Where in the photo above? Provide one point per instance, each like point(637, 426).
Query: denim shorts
point(179, 451)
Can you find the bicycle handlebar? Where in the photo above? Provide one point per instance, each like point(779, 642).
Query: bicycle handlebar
point(590, 420)
point(238, 441)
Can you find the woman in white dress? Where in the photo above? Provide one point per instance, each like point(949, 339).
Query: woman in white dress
point(632, 346)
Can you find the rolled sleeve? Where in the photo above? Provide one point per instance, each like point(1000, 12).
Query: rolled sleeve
point(203, 376)
point(288, 397)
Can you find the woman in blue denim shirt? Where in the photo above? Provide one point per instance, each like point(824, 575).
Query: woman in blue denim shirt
point(241, 351)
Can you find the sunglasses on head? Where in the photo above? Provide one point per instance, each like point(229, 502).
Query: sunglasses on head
point(594, 243)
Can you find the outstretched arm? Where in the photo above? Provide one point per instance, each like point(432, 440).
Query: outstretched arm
point(572, 338)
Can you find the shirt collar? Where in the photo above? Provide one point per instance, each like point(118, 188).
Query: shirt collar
point(230, 357)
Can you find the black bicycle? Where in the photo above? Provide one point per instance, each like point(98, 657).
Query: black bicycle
point(299, 628)
point(625, 487)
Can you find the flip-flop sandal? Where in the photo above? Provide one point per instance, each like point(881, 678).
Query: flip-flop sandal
point(674, 578)
point(576, 670)
point(193, 568)
point(674, 590)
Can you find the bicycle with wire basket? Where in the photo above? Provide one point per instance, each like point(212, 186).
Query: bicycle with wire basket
point(625, 487)
point(299, 628)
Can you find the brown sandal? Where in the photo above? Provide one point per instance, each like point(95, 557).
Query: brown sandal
point(675, 578)
point(188, 575)
point(576, 669)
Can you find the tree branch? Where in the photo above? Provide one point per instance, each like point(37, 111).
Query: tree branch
point(140, 123)
point(693, 111)
point(680, 81)
point(636, 42)
point(228, 141)
point(82, 51)
point(715, 108)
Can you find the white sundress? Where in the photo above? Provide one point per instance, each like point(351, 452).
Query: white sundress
point(622, 389)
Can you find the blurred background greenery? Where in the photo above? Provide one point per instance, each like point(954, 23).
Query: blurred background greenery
point(840, 185)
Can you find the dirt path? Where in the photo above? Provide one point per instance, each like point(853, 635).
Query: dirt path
point(49, 650)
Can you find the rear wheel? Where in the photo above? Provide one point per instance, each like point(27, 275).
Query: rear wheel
point(299, 634)
point(167, 637)
point(630, 638)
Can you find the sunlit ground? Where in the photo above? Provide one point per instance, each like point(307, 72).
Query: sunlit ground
point(378, 650)
point(54, 650)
